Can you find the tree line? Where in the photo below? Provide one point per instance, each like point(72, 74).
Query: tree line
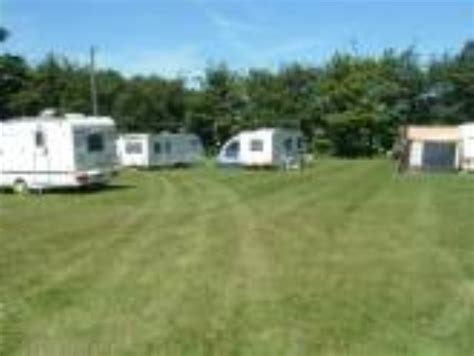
point(351, 106)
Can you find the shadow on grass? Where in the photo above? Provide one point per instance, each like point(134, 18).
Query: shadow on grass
point(93, 189)
point(174, 167)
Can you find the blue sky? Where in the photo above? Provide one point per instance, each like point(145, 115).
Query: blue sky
point(183, 36)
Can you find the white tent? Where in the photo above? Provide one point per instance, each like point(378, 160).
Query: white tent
point(267, 147)
point(159, 150)
point(467, 147)
point(438, 147)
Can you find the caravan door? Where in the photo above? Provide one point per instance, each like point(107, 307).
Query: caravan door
point(41, 166)
point(230, 153)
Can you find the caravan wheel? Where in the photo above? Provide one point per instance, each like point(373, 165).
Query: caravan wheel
point(20, 187)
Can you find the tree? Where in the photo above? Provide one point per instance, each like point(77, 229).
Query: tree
point(450, 94)
point(51, 79)
point(223, 102)
point(264, 93)
point(14, 76)
point(150, 104)
point(4, 34)
point(351, 106)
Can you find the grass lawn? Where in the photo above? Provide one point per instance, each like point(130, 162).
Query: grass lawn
point(346, 258)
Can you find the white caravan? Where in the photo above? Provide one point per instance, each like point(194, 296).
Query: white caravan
point(268, 147)
point(51, 152)
point(159, 150)
point(467, 147)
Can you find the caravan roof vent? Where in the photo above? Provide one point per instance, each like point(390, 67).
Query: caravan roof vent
point(48, 113)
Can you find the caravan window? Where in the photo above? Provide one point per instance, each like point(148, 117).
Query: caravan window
point(39, 139)
point(299, 143)
point(256, 145)
point(157, 147)
point(288, 143)
point(133, 147)
point(232, 151)
point(95, 142)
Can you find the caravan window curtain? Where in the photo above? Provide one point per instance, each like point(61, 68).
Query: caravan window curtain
point(157, 147)
point(95, 142)
point(133, 147)
point(288, 143)
point(256, 145)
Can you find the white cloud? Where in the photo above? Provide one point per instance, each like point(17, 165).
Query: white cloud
point(225, 23)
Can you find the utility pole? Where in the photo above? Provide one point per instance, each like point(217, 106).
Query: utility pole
point(93, 83)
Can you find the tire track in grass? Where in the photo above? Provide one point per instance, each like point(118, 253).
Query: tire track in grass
point(391, 251)
point(250, 282)
point(276, 331)
point(310, 192)
point(243, 278)
point(414, 252)
point(65, 286)
point(23, 303)
point(45, 258)
point(142, 250)
point(232, 201)
point(273, 184)
point(164, 222)
point(440, 320)
point(60, 281)
point(88, 246)
point(455, 321)
point(410, 252)
point(356, 261)
point(62, 245)
point(311, 208)
point(288, 245)
point(367, 241)
point(183, 251)
point(184, 320)
point(450, 323)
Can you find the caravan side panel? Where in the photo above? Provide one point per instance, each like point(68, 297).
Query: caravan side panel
point(19, 153)
point(172, 149)
point(133, 150)
point(256, 148)
point(38, 153)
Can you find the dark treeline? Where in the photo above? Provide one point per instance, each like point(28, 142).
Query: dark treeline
point(351, 106)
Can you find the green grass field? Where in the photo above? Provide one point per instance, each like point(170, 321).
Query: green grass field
point(345, 258)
